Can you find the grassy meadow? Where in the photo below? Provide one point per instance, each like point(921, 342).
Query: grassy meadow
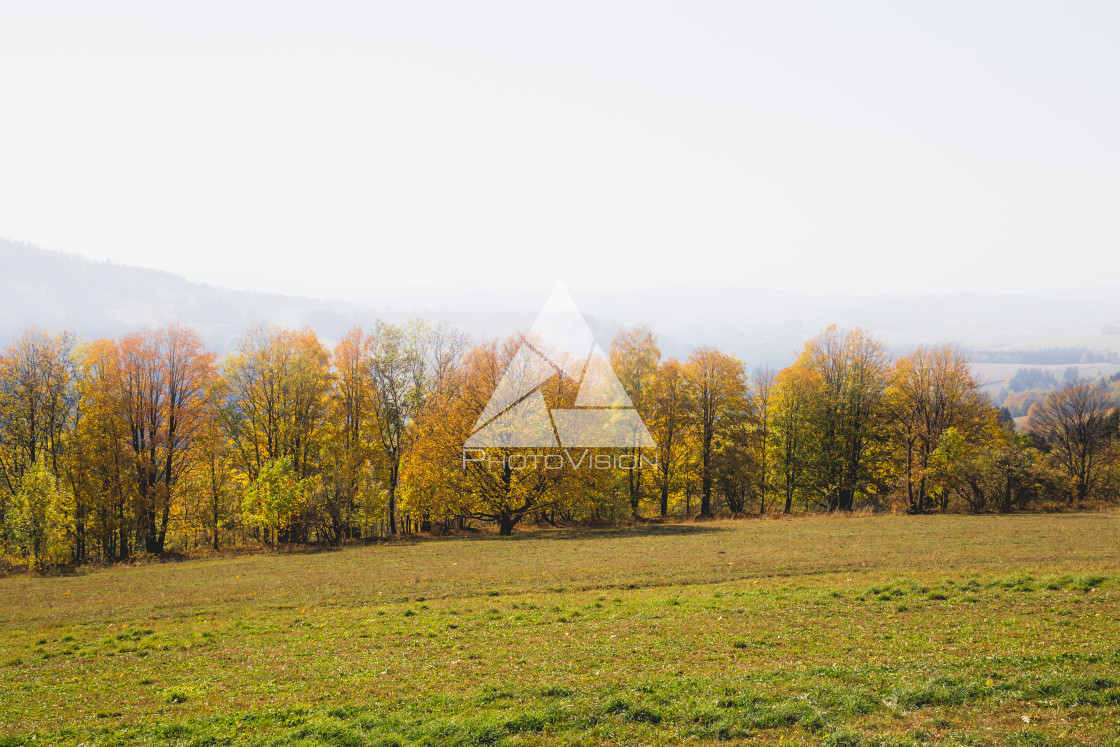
point(885, 630)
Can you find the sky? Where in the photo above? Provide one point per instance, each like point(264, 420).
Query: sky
point(351, 149)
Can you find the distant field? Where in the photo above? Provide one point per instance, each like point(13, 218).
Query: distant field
point(992, 375)
point(950, 630)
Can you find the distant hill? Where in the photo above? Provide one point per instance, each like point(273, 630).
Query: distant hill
point(98, 299)
point(56, 290)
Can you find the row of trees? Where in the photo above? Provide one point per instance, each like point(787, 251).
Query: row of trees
point(150, 442)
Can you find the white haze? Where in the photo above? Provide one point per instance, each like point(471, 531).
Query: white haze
point(359, 150)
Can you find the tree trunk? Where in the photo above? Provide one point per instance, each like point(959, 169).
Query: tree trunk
point(123, 530)
point(912, 504)
point(216, 507)
point(393, 501)
point(706, 478)
point(706, 493)
point(148, 518)
point(161, 538)
point(634, 482)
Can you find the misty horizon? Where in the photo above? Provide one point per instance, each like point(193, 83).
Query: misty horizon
point(52, 289)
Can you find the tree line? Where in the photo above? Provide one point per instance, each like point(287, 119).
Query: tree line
point(151, 443)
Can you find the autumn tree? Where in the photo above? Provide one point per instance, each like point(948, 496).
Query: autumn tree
point(793, 430)
point(444, 350)
point(849, 409)
point(350, 446)
point(216, 480)
point(735, 462)
point(493, 484)
point(38, 398)
point(763, 399)
point(275, 397)
point(99, 467)
point(397, 360)
point(667, 420)
point(275, 394)
point(117, 446)
point(163, 379)
point(717, 399)
point(931, 392)
point(634, 357)
point(1072, 425)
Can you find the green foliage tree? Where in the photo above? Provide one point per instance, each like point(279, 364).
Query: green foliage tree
point(998, 475)
point(42, 518)
point(274, 497)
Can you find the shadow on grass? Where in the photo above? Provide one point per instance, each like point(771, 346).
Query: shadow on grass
point(313, 549)
point(595, 533)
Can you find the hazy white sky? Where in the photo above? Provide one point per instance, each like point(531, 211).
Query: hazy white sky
point(325, 147)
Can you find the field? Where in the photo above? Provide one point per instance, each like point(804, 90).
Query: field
point(950, 630)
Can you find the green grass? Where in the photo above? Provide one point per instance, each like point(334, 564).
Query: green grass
point(946, 630)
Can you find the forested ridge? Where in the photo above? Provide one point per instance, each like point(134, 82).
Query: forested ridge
point(150, 443)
